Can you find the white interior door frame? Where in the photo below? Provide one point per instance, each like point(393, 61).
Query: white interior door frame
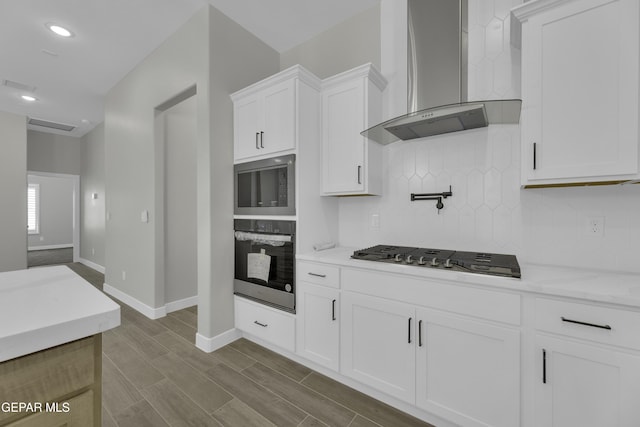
point(76, 206)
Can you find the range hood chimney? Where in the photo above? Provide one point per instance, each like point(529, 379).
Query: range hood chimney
point(437, 40)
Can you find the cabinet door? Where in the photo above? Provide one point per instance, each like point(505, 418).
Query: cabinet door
point(343, 148)
point(377, 344)
point(318, 326)
point(580, 92)
point(585, 385)
point(279, 129)
point(247, 123)
point(468, 371)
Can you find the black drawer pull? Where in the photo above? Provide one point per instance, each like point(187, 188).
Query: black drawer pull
point(333, 310)
point(264, 325)
point(593, 325)
point(544, 366)
point(409, 329)
point(317, 275)
point(419, 333)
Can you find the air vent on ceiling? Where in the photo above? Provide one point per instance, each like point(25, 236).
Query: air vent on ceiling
point(18, 85)
point(51, 125)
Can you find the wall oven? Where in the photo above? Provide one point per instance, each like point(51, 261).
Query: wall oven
point(265, 187)
point(264, 261)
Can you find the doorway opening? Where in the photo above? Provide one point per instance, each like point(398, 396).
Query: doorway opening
point(176, 261)
point(53, 232)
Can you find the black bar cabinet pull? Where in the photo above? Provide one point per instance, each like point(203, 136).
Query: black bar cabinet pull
point(419, 333)
point(264, 325)
point(534, 155)
point(316, 274)
point(409, 328)
point(359, 173)
point(261, 139)
point(544, 366)
point(333, 310)
point(257, 146)
point(593, 325)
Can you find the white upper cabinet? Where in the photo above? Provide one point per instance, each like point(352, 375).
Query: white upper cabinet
point(264, 114)
point(579, 90)
point(351, 103)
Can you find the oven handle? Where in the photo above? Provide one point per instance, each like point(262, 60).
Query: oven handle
point(271, 239)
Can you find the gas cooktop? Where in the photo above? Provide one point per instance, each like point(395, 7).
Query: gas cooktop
point(470, 262)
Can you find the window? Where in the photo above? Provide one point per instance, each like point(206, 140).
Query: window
point(33, 208)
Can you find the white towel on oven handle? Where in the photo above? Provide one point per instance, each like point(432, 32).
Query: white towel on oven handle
point(263, 239)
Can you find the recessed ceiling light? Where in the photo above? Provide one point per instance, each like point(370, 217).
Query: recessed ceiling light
point(61, 31)
point(29, 98)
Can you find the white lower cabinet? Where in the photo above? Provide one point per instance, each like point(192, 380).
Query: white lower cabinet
point(468, 371)
point(377, 344)
point(586, 385)
point(318, 329)
point(265, 323)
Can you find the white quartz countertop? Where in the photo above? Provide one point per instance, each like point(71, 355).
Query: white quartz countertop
point(48, 306)
point(591, 285)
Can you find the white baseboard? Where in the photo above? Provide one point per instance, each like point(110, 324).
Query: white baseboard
point(40, 248)
point(181, 303)
point(150, 312)
point(91, 264)
point(212, 344)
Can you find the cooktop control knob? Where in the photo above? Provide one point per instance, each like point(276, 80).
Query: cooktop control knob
point(447, 263)
point(409, 259)
point(398, 258)
point(421, 261)
point(434, 262)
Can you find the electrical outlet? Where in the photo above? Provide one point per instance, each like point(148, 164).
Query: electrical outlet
point(93, 251)
point(594, 226)
point(124, 275)
point(375, 220)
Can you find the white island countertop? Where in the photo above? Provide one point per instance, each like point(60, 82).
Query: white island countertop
point(48, 306)
point(572, 282)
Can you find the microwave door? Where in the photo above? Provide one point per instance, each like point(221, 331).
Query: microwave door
point(265, 187)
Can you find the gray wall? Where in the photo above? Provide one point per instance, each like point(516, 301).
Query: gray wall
point(219, 57)
point(56, 212)
point(237, 59)
point(92, 210)
point(13, 191)
point(133, 183)
point(349, 44)
point(47, 152)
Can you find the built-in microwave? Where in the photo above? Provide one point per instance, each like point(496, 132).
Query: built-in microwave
point(265, 187)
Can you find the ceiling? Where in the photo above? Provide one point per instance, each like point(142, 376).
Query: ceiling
point(70, 77)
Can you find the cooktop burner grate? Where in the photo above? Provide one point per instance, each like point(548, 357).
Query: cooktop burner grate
point(472, 262)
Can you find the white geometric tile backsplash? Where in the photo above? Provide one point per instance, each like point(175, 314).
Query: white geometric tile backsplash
point(488, 211)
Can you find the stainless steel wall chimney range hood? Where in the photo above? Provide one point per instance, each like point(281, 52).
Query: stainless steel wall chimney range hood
point(437, 78)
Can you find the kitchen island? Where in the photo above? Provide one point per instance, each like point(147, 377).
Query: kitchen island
point(51, 321)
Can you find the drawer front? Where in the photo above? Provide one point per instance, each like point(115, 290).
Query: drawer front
point(266, 323)
point(596, 323)
point(446, 296)
point(49, 374)
point(80, 414)
point(319, 274)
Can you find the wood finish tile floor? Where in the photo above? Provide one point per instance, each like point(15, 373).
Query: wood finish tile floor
point(49, 257)
point(153, 375)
